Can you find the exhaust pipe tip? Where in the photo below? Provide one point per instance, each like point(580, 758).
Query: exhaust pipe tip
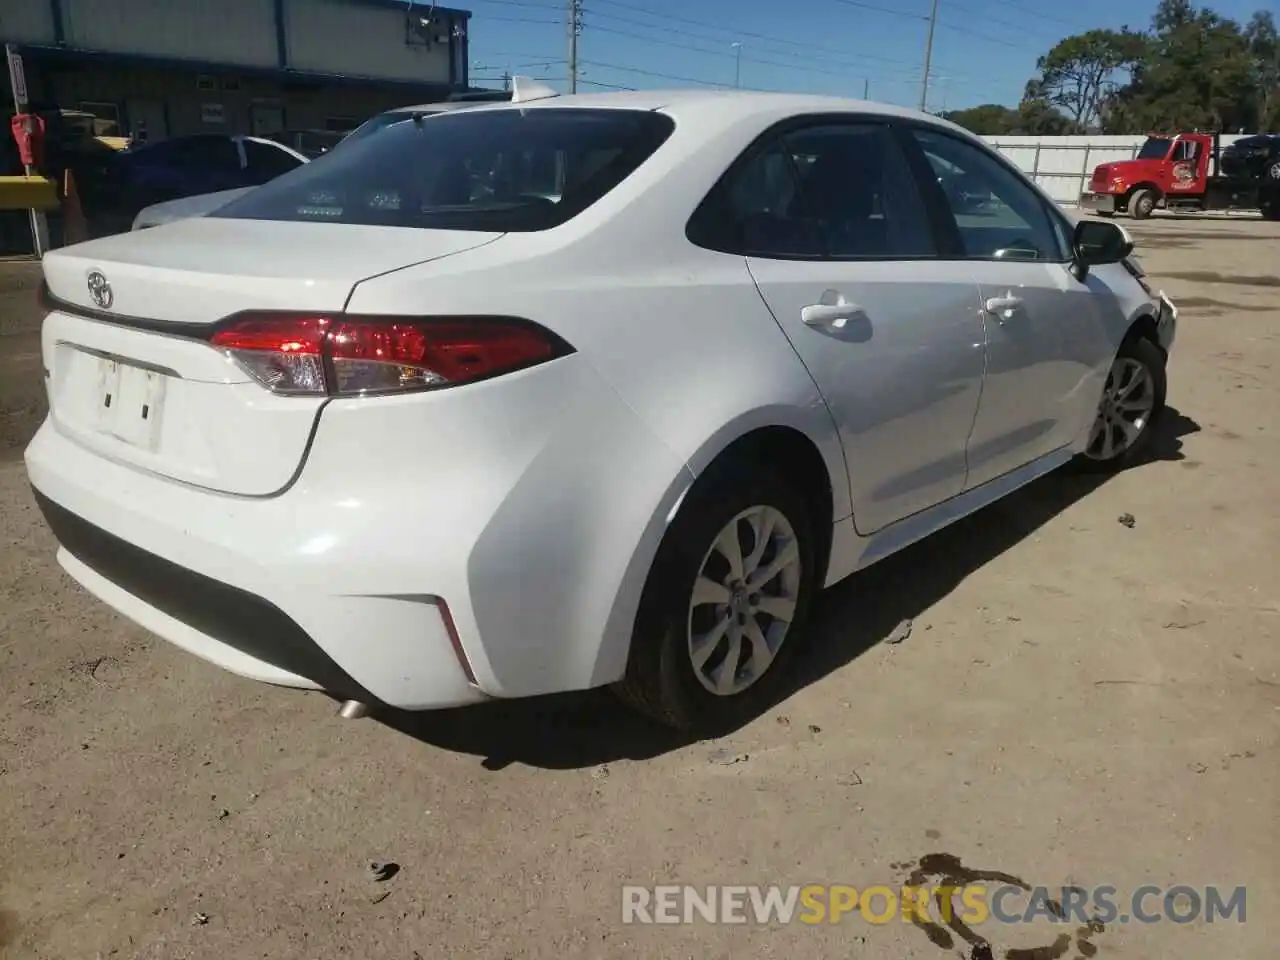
point(353, 710)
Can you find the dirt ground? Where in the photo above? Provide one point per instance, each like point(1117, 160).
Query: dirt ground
point(1080, 701)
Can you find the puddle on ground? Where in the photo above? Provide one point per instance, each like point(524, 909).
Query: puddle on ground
point(944, 870)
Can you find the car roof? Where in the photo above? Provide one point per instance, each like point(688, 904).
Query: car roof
point(722, 107)
point(740, 101)
point(743, 102)
point(445, 106)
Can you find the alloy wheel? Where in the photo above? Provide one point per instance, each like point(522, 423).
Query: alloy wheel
point(1127, 401)
point(744, 600)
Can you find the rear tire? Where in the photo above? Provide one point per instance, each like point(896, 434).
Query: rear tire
point(1270, 203)
point(673, 670)
point(1133, 397)
point(1142, 203)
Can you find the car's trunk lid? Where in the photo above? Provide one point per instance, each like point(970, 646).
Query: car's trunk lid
point(131, 375)
point(200, 270)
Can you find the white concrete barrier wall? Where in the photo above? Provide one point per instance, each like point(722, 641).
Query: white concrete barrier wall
point(1063, 165)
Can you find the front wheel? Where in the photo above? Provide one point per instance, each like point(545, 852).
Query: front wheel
point(1132, 402)
point(1142, 203)
point(729, 591)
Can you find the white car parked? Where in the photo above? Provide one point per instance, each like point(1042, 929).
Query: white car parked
point(575, 391)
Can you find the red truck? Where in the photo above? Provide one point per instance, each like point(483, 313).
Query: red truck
point(1187, 172)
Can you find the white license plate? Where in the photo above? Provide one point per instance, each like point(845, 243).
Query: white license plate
point(130, 402)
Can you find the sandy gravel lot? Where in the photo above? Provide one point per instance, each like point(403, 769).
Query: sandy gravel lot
point(1079, 702)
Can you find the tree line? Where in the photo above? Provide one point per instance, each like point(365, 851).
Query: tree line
point(1192, 69)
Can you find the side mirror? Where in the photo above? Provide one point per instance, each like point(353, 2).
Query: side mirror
point(1098, 242)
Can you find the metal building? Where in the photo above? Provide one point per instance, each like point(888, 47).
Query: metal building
point(156, 68)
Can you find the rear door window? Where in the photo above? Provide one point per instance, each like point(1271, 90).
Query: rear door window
point(854, 181)
point(838, 190)
point(491, 170)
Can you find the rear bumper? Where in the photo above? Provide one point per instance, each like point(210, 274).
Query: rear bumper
point(531, 505)
point(1098, 202)
point(205, 613)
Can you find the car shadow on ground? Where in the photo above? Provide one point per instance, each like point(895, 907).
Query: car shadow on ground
point(568, 731)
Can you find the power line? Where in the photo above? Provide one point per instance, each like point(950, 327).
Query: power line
point(552, 23)
point(885, 10)
point(737, 55)
point(653, 73)
point(528, 56)
point(808, 47)
point(522, 3)
point(982, 36)
point(1077, 24)
point(607, 86)
point(736, 38)
point(1035, 22)
point(844, 74)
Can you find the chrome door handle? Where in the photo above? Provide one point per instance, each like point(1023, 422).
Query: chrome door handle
point(1003, 307)
point(830, 314)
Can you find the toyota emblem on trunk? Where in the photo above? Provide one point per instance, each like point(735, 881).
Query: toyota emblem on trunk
point(100, 289)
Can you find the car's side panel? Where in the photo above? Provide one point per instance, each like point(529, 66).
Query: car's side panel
point(680, 333)
point(1050, 335)
point(902, 376)
point(1044, 357)
point(692, 356)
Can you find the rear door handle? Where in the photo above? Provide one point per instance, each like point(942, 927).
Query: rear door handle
point(834, 315)
point(1003, 307)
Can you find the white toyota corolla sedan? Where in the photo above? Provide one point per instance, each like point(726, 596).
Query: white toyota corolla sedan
point(574, 391)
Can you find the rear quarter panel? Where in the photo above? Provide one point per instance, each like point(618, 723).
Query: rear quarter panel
point(679, 335)
point(693, 361)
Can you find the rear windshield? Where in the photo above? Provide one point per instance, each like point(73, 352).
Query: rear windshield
point(373, 125)
point(499, 170)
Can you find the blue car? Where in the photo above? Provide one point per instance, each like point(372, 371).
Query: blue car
point(185, 167)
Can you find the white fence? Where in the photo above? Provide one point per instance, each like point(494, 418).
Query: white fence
point(1063, 165)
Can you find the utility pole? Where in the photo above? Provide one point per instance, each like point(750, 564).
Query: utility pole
point(575, 31)
point(928, 59)
point(866, 88)
point(737, 64)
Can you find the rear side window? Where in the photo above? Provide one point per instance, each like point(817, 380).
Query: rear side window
point(831, 190)
point(756, 210)
point(500, 170)
point(855, 181)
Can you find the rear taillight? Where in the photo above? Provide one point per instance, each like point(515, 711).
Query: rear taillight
point(312, 355)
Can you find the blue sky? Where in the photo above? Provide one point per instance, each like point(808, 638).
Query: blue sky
point(984, 50)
